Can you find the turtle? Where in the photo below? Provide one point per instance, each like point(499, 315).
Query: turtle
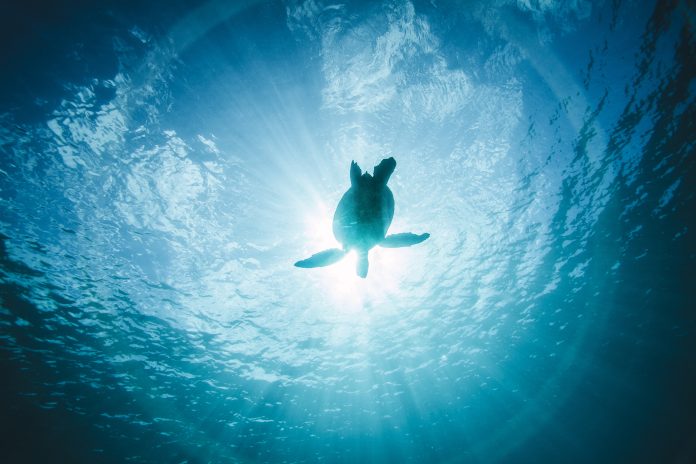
point(362, 218)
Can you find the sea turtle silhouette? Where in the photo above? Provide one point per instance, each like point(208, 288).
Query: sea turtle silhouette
point(362, 219)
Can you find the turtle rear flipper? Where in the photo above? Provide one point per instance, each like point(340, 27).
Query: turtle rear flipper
point(323, 258)
point(355, 174)
point(405, 239)
point(384, 170)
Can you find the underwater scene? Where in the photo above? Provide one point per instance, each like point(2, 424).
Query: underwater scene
point(311, 231)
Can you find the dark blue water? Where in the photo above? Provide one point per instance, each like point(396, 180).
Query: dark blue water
point(163, 165)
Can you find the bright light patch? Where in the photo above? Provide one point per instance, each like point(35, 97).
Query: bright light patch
point(318, 229)
point(348, 292)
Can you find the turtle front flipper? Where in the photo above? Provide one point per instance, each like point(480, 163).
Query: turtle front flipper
point(323, 258)
point(405, 239)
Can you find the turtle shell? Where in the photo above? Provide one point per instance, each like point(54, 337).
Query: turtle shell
point(363, 216)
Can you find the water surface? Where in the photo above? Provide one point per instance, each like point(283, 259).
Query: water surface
point(163, 166)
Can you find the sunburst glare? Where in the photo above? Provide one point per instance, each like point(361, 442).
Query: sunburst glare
point(299, 231)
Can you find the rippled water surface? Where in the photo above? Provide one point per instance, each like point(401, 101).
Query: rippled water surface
point(164, 165)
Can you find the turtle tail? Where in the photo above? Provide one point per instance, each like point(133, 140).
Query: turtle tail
point(363, 264)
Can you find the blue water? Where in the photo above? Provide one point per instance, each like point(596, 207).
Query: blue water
point(164, 165)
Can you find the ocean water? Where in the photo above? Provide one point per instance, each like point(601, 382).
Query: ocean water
point(164, 164)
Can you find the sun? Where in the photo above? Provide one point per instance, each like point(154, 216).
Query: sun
point(347, 291)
